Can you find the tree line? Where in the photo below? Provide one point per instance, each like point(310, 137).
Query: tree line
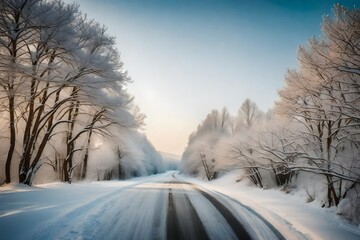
point(310, 140)
point(63, 91)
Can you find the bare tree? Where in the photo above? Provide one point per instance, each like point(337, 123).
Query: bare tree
point(249, 112)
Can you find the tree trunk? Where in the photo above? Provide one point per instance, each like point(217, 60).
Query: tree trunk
point(70, 145)
point(86, 156)
point(120, 156)
point(29, 146)
point(331, 193)
point(12, 138)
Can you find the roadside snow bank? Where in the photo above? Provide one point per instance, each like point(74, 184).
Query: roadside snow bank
point(287, 212)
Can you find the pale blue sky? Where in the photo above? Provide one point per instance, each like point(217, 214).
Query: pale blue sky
point(187, 57)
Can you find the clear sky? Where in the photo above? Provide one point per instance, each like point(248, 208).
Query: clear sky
point(187, 57)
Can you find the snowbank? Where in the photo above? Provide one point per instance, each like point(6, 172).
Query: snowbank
point(287, 212)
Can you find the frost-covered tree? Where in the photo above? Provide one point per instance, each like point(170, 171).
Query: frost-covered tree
point(312, 132)
point(200, 157)
point(213, 149)
point(63, 84)
point(322, 97)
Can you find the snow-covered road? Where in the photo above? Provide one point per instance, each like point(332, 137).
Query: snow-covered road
point(164, 206)
point(159, 207)
point(195, 213)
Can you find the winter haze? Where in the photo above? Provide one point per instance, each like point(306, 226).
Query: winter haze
point(179, 119)
point(188, 57)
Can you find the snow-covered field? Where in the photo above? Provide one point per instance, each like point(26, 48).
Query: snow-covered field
point(64, 211)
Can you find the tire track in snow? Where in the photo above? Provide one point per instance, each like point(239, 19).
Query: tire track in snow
point(237, 227)
point(177, 226)
point(173, 231)
point(275, 231)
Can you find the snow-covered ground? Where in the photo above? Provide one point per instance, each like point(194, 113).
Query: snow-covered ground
point(136, 209)
point(288, 213)
point(27, 212)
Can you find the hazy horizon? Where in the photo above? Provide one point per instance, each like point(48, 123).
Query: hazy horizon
point(189, 57)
